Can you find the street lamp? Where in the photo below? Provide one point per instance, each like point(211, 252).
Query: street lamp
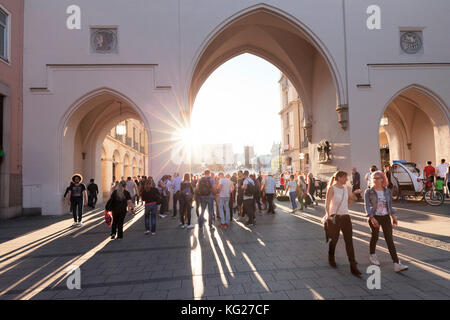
point(301, 156)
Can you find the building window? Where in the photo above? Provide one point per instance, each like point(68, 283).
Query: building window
point(3, 35)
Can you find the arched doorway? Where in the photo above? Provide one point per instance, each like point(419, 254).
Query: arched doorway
point(414, 126)
point(294, 50)
point(86, 127)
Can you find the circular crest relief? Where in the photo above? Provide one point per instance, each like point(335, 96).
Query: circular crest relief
point(104, 40)
point(411, 42)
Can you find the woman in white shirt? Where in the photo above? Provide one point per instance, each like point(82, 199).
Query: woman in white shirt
point(339, 197)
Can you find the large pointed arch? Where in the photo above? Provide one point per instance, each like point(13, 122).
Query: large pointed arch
point(275, 36)
point(84, 127)
point(433, 118)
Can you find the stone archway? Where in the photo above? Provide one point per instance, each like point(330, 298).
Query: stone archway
point(84, 130)
point(276, 37)
point(291, 47)
point(418, 126)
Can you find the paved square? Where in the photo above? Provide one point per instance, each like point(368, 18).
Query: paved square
point(284, 256)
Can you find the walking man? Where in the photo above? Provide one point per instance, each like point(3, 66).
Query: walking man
point(225, 189)
point(92, 189)
point(77, 197)
point(249, 201)
point(175, 186)
point(269, 187)
point(206, 194)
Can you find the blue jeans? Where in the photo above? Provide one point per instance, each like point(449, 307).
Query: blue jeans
point(150, 209)
point(206, 200)
point(293, 195)
point(224, 202)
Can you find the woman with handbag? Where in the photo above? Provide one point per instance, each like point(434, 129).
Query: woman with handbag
point(120, 200)
point(152, 198)
point(378, 206)
point(339, 197)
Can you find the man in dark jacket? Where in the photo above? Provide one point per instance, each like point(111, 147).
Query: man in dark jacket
point(92, 189)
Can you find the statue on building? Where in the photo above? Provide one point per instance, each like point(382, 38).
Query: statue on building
point(324, 150)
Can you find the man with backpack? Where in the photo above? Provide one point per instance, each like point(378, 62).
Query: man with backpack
point(249, 198)
point(206, 195)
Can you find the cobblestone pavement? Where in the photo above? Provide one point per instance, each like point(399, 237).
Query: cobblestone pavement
point(284, 256)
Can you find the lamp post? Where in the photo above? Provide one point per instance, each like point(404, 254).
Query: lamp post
point(301, 156)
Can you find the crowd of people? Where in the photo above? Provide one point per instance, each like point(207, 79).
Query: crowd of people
point(242, 194)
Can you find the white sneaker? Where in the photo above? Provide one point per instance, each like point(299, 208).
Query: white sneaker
point(147, 232)
point(80, 224)
point(374, 260)
point(398, 267)
point(153, 233)
point(183, 226)
point(75, 224)
point(162, 215)
point(190, 226)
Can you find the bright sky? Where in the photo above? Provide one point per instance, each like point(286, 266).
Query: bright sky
point(239, 104)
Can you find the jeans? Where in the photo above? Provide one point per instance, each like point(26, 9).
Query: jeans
point(150, 210)
point(386, 224)
point(175, 199)
point(344, 223)
point(249, 210)
point(293, 196)
point(163, 207)
point(76, 204)
point(117, 225)
point(269, 199)
point(185, 205)
point(92, 200)
point(206, 201)
point(224, 202)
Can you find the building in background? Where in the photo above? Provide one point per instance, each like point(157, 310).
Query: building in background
point(124, 153)
point(11, 84)
point(249, 154)
point(294, 131)
point(211, 155)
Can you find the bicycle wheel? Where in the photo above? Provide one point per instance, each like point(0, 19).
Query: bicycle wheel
point(434, 198)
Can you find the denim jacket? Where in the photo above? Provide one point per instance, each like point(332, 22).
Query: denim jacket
point(371, 201)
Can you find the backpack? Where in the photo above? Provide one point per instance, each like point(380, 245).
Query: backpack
point(204, 187)
point(251, 190)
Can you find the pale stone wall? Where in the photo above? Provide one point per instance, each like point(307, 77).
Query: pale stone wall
point(167, 49)
point(11, 82)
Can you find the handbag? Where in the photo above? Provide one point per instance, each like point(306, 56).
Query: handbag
point(331, 221)
point(108, 218)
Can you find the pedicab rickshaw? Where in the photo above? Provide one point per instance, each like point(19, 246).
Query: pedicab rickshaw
point(407, 181)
